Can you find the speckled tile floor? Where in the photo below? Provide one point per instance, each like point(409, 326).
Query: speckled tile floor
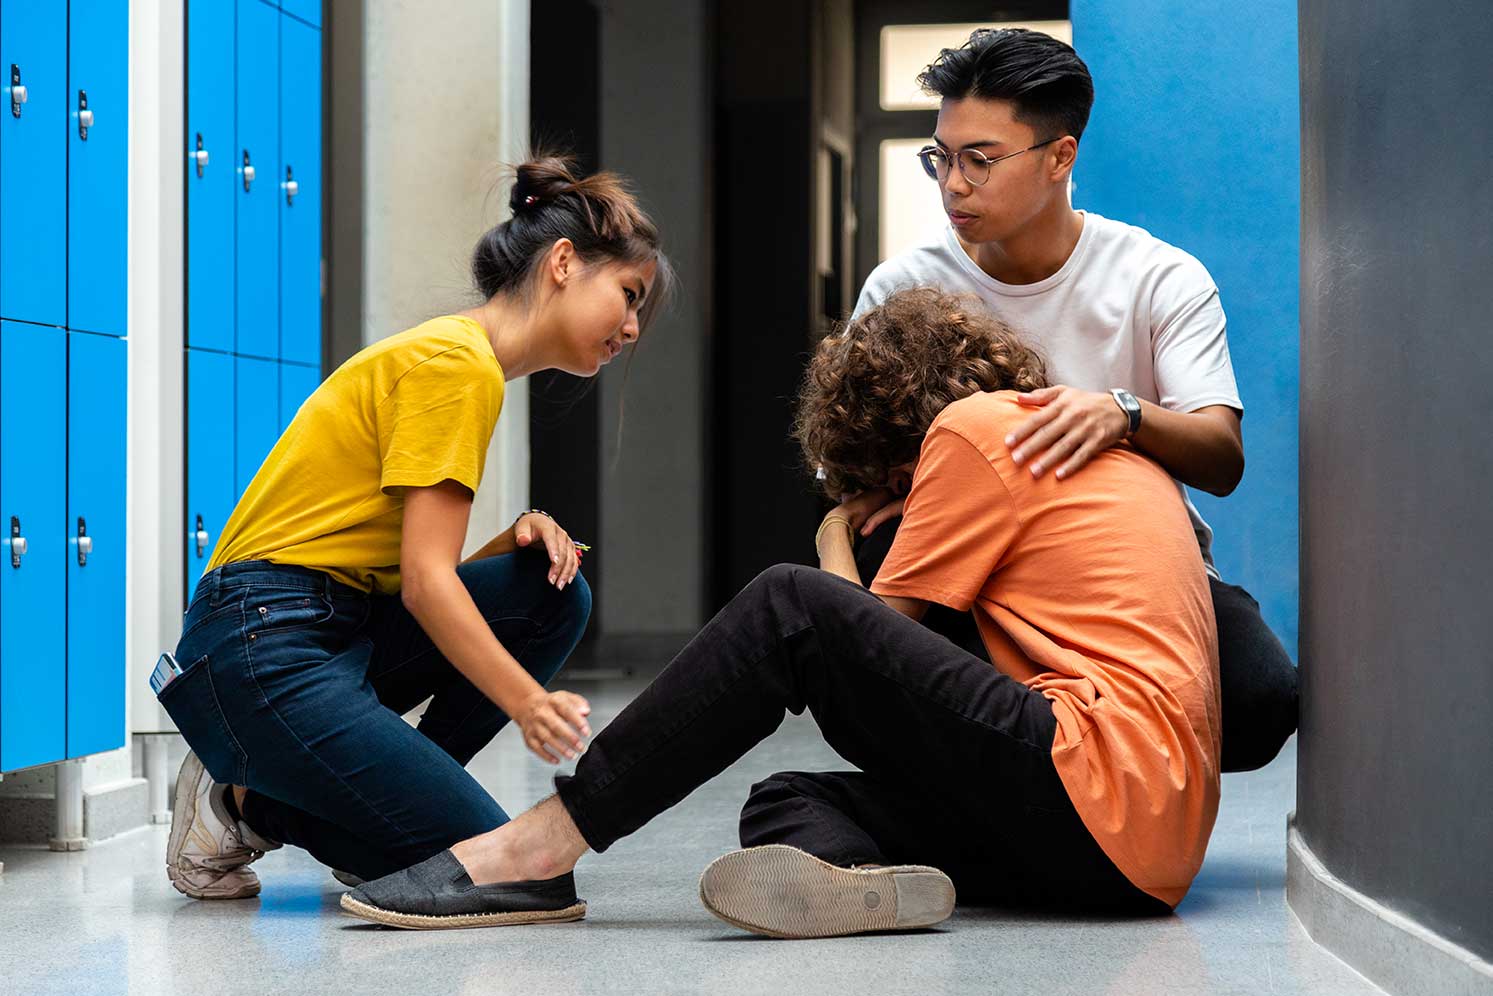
point(105, 920)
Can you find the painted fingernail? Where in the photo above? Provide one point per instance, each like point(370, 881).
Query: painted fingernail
point(1010, 440)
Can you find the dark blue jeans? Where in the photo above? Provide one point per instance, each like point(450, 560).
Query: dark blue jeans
point(294, 686)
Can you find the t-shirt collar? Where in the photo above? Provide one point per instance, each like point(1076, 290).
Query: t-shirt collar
point(1074, 261)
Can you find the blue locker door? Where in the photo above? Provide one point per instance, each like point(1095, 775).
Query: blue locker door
point(210, 152)
point(33, 185)
point(257, 189)
point(97, 164)
point(300, 192)
point(257, 423)
point(296, 385)
point(307, 10)
point(96, 445)
point(33, 505)
point(210, 494)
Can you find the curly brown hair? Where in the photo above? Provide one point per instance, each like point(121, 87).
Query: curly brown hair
point(876, 384)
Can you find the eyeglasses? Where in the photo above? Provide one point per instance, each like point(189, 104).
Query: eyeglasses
point(974, 165)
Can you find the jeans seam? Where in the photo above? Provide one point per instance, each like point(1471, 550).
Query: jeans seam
point(435, 650)
point(254, 677)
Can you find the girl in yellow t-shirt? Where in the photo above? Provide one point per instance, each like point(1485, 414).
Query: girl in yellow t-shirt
point(336, 599)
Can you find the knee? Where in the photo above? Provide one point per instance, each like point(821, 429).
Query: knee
point(765, 798)
point(783, 577)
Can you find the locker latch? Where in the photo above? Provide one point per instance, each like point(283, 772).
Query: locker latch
point(17, 92)
point(85, 543)
point(200, 536)
point(17, 542)
point(248, 171)
point(85, 116)
point(291, 187)
point(199, 156)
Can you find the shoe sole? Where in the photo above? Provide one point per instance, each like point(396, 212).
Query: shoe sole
point(780, 891)
point(183, 816)
point(417, 921)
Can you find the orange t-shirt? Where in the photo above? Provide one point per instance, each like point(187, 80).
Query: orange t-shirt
point(1090, 590)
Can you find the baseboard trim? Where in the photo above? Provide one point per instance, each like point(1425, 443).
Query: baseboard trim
point(1393, 951)
point(108, 811)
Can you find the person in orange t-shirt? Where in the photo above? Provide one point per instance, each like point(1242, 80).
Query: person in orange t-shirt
point(1080, 772)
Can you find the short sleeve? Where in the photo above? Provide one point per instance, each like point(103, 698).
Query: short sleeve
point(1189, 343)
point(436, 423)
point(957, 525)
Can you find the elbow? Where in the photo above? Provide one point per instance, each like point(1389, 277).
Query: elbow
point(414, 589)
point(1231, 473)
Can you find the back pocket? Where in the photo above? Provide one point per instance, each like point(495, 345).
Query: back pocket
point(192, 703)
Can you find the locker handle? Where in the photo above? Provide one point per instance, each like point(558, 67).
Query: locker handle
point(291, 186)
point(198, 155)
point(248, 171)
point(85, 543)
point(17, 91)
point(201, 537)
point(85, 116)
point(17, 542)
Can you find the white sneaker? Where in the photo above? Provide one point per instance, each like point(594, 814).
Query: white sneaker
point(208, 852)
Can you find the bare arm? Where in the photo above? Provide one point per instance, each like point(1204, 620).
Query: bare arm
point(435, 524)
point(837, 553)
point(1203, 449)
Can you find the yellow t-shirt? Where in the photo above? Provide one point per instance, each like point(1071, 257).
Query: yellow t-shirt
point(411, 410)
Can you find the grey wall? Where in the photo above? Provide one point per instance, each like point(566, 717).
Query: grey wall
point(1395, 777)
point(656, 130)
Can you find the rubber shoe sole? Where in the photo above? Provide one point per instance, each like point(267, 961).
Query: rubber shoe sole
point(781, 891)
point(416, 921)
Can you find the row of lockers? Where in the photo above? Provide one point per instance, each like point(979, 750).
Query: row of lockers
point(64, 187)
point(254, 277)
point(237, 407)
point(62, 506)
point(64, 162)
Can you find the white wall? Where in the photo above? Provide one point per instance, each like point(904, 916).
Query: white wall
point(445, 103)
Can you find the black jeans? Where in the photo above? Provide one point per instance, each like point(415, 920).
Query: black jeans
point(295, 686)
point(955, 757)
point(1257, 681)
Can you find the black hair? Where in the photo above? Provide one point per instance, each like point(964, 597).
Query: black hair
point(597, 213)
point(1044, 78)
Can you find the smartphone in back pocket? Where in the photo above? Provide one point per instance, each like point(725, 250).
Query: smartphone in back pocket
point(166, 671)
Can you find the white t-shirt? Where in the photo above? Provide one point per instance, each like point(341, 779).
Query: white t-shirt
point(1126, 310)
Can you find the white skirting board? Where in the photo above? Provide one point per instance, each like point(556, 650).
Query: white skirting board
point(1392, 950)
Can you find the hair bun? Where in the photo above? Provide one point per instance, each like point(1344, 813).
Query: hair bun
point(539, 181)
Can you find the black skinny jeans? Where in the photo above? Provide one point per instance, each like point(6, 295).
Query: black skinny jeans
point(1257, 681)
point(955, 757)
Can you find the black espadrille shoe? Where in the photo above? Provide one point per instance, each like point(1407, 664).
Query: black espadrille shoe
point(438, 894)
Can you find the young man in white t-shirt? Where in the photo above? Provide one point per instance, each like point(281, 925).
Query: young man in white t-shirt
point(1131, 327)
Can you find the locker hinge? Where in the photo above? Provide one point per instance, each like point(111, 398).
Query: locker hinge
point(17, 91)
point(85, 543)
point(85, 116)
point(291, 187)
point(248, 171)
point(17, 542)
point(199, 536)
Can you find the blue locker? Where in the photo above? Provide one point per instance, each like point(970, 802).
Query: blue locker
point(297, 383)
point(33, 144)
point(307, 10)
point(211, 174)
point(300, 192)
point(96, 448)
point(210, 493)
point(256, 424)
point(257, 188)
point(33, 502)
point(97, 164)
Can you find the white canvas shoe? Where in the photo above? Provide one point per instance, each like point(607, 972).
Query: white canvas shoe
point(208, 853)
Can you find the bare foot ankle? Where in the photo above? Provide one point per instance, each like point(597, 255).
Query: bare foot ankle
point(542, 843)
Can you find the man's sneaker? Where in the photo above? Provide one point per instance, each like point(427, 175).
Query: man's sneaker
point(208, 852)
point(781, 891)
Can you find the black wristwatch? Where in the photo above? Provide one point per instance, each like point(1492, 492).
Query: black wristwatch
point(1129, 406)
